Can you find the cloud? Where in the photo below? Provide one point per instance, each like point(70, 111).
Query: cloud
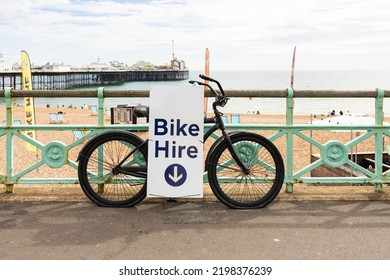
point(240, 34)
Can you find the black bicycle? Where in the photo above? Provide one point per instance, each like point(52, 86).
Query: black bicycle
point(245, 170)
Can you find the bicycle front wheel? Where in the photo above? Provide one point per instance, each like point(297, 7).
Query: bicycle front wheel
point(238, 189)
point(99, 176)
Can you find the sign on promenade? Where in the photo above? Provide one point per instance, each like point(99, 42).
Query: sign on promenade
point(175, 153)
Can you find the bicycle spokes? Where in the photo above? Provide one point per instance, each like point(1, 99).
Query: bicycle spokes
point(112, 169)
point(240, 189)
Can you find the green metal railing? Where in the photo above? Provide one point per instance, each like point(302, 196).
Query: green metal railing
point(333, 153)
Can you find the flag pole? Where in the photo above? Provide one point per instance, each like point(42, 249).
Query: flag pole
point(293, 68)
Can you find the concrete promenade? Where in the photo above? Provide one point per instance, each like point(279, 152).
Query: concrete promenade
point(285, 230)
point(320, 223)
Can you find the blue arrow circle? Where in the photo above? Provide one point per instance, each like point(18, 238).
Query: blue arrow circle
point(175, 175)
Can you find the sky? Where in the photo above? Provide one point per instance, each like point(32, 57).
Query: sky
point(240, 34)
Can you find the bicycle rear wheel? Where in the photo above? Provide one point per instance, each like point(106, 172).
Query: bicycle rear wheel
point(101, 182)
point(232, 186)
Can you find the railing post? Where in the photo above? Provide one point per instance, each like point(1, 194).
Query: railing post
point(379, 139)
point(100, 106)
point(9, 165)
point(289, 140)
point(100, 123)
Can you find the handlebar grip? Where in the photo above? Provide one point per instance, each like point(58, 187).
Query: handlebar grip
point(214, 81)
point(210, 120)
point(207, 78)
point(197, 82)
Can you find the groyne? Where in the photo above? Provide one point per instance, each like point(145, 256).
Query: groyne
point(43, 80)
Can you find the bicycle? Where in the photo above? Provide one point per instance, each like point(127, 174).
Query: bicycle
point(245, 170)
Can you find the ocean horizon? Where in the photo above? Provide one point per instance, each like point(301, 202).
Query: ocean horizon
point(265, 80)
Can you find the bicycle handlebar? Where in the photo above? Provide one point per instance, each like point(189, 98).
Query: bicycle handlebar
point(204, 84)
point(221, 99)
point(207, 78)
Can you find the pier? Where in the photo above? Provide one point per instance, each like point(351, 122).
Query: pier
point(43, 80)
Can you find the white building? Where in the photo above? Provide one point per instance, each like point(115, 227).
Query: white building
point(178, 64)
point(142, 65)
point(56, 67)
point(98, 65)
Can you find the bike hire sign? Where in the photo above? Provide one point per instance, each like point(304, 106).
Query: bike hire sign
point(175, 148)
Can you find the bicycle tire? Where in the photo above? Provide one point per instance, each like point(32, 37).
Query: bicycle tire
point(232, 186)
point(95, 171)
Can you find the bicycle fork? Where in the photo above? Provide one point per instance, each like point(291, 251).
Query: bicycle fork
point(137, 171)
point(233, 152)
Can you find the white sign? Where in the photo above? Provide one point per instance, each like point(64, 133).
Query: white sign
point(175, 153)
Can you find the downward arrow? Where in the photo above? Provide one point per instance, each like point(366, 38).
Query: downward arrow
point(175, 178)
point(175, 175)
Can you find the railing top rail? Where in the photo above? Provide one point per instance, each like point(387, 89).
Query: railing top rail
point(305, 93)
point(230, 93)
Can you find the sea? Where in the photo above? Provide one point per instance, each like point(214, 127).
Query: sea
point(266, 80)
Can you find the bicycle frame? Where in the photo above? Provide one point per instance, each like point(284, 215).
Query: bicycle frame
point(219, 125)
